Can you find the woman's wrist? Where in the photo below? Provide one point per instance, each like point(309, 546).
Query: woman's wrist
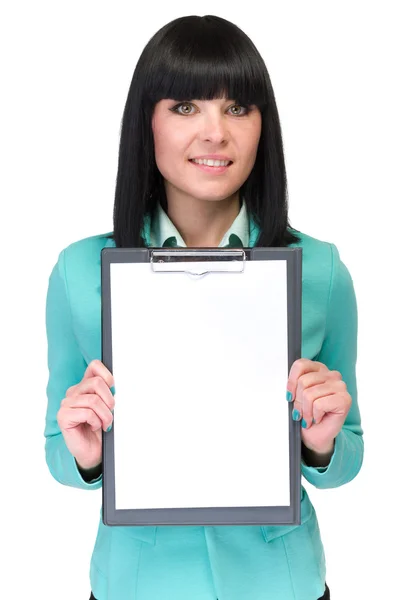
point(91, 473)
point(313, 458)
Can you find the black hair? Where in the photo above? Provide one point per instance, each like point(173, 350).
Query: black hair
point(200, 58)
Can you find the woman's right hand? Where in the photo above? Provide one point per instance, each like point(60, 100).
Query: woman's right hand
point(84, 412)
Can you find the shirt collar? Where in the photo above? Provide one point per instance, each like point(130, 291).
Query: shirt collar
point(162, 229)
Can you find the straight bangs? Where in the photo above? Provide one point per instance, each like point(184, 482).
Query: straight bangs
point(206, 60)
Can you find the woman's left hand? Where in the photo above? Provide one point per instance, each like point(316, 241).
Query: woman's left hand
point(322, 402)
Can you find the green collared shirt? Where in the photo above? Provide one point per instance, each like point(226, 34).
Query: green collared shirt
point(165, 234)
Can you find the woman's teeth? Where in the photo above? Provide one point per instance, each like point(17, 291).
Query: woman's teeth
point(211, 163)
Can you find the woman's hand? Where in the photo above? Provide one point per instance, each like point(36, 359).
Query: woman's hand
point(84, 412)
point(321, 400)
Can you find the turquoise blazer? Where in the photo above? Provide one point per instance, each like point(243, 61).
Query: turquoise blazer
point(193, 562)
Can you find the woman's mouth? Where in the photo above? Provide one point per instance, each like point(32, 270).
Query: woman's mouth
point(211, 169)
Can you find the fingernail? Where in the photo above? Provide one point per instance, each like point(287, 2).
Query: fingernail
point(109, 429)
point(296, 415)
point(288, 396)
point(313, 420)
point(303, 423)
point(112, 390)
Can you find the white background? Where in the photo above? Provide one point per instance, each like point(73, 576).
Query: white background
point(66, 70)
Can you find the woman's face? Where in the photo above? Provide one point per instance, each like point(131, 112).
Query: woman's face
point(202, 128)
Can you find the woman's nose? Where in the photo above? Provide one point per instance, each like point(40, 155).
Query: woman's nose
point(214, 129)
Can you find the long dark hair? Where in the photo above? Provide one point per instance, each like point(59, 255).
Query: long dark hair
point(199, 58)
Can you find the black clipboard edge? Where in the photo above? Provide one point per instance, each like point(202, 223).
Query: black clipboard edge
point(278, 515)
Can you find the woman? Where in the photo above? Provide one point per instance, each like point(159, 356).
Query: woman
point(201, 91)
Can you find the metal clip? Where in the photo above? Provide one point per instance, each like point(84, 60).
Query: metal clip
point(208, 261)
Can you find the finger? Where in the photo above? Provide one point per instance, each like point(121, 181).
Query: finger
point(313, 378)
point(338, 403)
point(72, 417)
point(306, 398)
point(301, 367)
point(304, 382)
point(93, 385)
point(95, 403)
point(97, 368)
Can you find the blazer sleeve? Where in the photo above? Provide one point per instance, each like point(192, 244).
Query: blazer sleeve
point(66, 367)
point(339, 353)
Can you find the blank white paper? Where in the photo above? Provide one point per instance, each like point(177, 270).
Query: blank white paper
point(200, 369)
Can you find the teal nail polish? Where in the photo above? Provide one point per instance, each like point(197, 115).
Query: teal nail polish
point(296, 415)
point(109, 429)
point(303, 423)
point(112, 390)
point(289, 396)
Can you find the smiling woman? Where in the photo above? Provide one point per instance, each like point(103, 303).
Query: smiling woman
point(183, 104)
point(201, 163)
point(202, 184)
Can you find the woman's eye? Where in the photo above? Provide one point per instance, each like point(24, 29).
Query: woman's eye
point(188, 105)
point(246, 108)
point(185, 104)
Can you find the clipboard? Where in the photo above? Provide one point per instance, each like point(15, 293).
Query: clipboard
point(200, 342)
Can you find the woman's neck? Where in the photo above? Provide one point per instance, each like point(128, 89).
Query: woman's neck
point(203, 223)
